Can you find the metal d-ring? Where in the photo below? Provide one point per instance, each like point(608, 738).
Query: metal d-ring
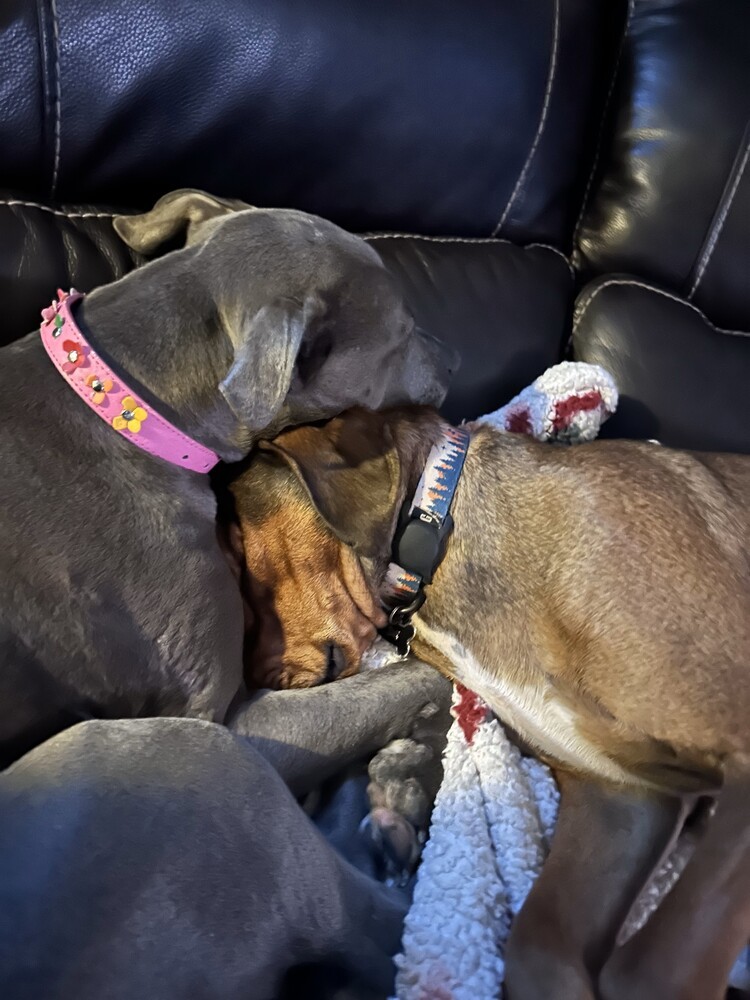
point(401, 614)
point(405, 637)
point(400, 629)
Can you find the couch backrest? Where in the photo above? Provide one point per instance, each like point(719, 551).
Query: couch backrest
point(472, 118)
point(462, 120)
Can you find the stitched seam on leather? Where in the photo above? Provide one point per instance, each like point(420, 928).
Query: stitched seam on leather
point(445, 239)
point(542, 120)
point(467, 239)
point(11, 202)
point(58, 97)
point(47, 100)
point(719, 225)
point(603, 122)
point(546, 246)
point(581, 309)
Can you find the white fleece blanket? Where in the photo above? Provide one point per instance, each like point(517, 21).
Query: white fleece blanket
point(495, 811)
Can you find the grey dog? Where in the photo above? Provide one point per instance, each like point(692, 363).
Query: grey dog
point(164, 858)
point(117, 601)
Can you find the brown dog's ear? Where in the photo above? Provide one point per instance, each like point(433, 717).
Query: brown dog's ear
point(175, 213)
point(352, 471)
point(266, 346)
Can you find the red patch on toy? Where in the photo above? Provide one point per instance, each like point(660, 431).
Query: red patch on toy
point(470, 712)
point(519, 423)
point(566, 409)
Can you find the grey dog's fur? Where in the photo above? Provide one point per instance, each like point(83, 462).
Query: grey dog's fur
point(117, 601)
point(164, 859)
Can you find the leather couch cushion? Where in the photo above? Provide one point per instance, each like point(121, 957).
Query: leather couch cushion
point(42, 249)
point(683, 380)
point(673, 199)
point(27, 150)
point(430, 116)
point(504, 308)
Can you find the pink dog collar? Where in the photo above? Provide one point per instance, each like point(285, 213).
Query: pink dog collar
point(107, 394)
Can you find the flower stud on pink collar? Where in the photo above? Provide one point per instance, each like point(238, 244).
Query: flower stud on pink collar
point(109, 397)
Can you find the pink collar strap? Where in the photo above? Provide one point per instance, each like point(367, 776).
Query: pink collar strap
point(109, 397)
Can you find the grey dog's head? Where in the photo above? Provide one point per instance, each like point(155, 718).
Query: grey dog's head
point(311, 321)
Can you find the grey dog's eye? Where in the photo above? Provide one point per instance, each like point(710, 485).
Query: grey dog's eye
point(312, 355)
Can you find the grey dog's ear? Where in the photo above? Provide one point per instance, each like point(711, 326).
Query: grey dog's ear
point(266, 345)
point(352, 471)
point(177, 212)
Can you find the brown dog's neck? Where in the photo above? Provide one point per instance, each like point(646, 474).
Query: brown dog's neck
point(415, 431)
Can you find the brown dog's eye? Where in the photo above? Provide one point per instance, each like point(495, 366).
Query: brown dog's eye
point(336, 663)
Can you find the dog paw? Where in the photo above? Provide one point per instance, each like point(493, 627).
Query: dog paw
point(402, 780)
point(396, 844)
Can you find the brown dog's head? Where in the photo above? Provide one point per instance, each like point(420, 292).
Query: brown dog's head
point(317, 511)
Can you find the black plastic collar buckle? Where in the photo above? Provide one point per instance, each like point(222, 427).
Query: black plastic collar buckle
point(419, 546)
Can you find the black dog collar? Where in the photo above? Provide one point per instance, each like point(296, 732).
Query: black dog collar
point(421, 538)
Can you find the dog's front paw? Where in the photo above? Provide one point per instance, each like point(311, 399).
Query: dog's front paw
point(404, 778)
point(396, 845)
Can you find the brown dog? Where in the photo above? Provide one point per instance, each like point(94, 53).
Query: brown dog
point(599, 599)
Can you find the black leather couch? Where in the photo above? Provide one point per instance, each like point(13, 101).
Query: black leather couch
point(546, 177)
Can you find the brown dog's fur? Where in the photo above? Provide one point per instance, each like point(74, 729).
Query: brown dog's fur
point(598, 597)
point(313, 614)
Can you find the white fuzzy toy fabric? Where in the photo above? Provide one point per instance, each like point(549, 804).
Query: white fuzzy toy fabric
point(495, 811)
point(569, 403)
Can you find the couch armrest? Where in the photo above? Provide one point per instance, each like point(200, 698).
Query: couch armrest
point(682, 380)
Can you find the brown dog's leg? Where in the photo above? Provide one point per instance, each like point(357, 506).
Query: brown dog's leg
point(687, 949)
point(607, 842)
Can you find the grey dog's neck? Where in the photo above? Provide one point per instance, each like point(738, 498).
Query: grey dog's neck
point(174, 360)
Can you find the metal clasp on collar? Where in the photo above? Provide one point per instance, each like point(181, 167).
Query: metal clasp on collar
point(400, 629)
